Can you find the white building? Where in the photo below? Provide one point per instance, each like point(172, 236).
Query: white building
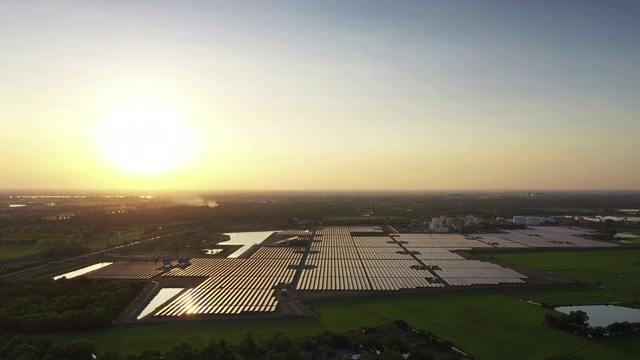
point(520, 220)
point(533, 221)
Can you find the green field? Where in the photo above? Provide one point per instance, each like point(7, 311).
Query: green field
point(615, 269)
point(11, 251)
point(623, 347)
point(488, 325)
point(573, 295)
point(19, 241)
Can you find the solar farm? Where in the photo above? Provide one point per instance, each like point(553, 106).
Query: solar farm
point(339, 259)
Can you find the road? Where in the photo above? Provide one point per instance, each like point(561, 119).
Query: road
point(24, 271)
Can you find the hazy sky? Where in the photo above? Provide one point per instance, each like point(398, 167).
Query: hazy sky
point(320, 94)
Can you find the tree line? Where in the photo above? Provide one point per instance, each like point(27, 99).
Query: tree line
point(576, 322)
point(78, 304)
point(383, 342)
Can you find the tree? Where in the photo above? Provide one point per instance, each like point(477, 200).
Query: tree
point(25, 352)
point(184, 351)
point(110, 355)
point(248, 347)
point(279, 342)
point(218, 351)
point(79, 349)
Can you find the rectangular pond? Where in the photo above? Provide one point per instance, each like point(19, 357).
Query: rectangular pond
point(246, 239)
point(161, 297)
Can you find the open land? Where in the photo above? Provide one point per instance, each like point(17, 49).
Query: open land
point(482, 290)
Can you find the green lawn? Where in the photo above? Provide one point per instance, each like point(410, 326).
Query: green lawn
point(164, 337)
point(124, 237)
point(570, 259)
point(623, 347)
point(488, 325)
point(46, 238)
point(11, 251)
point(579, 295)
point(614, 269)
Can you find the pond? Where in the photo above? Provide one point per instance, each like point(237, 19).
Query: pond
point(161, 297)
point(246, 239)
point(603, 315)
point(84, 270)
point(626, 236)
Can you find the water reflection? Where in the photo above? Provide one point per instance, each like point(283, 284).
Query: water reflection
point(246, 239)
point(162, 297)
point(603, 315)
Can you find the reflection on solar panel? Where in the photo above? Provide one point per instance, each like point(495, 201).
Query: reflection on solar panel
point(340, 261)
point(127, 271)
point(207, 267)
point(294, 232)
point(389, 264)
point(367, 263)
point(363, 228)
point(238, 286)
point(542, 237)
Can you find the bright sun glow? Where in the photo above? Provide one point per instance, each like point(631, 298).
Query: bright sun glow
point(146, 137)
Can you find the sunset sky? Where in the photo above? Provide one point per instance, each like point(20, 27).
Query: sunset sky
point(215, 95)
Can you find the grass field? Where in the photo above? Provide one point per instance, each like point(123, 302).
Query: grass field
point(13, 251)
point(488, 325)
point(22, 241)
point(616, 269)
point(623, 347)
point(578, 295)
point(124, 237)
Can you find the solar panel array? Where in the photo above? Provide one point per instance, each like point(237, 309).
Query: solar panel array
point(239, 286)
point(364, 228)
point(543, 237)
point(340, 259)
point(293, 232)
point(346, 262)
point(207, 267)
point(127, 271)
point(435, 251)
point(207, 298)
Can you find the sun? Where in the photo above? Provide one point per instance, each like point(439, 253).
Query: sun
point(146, 137)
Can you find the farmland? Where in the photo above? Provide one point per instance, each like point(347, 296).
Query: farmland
point(615, 269)
point(501, 323)
point(337, 259)
point(20, 241)
point(489, 325)
point(458, 286)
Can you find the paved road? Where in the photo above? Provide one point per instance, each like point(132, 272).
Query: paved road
point(296, 278)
